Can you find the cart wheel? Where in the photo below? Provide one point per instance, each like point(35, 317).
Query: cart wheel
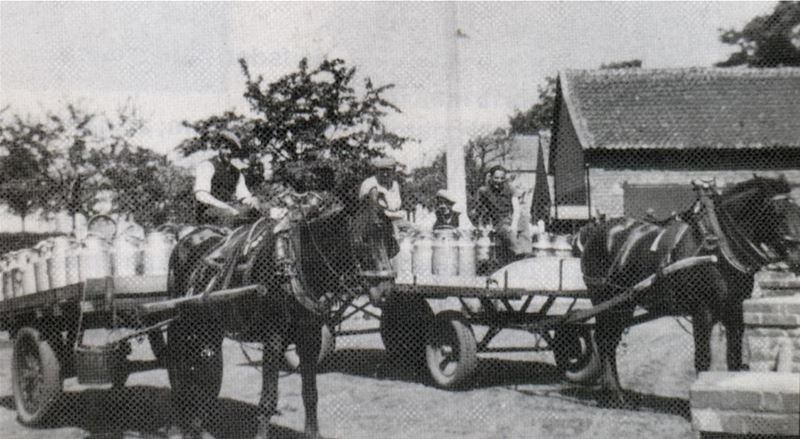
point(292, 360)
point(451, 352)
point(36, 376)
point(405, 324)
point(576, 354)
point(194, 359)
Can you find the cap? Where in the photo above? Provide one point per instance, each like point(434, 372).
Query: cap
point(230, 138)
point(383, 162)
point(444, 194)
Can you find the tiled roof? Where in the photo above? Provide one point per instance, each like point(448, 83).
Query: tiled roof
point(684, 108)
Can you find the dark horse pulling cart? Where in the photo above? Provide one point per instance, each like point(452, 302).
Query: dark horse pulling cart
point(186, 313)
point(699, 264)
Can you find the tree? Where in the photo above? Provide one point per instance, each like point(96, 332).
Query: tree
point(540, 115)
point(771, 40)
point(63, 161)
point(20, 186)
point(630, 64)
point(308, 117)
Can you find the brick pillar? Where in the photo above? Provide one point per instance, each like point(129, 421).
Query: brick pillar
point(765, 400)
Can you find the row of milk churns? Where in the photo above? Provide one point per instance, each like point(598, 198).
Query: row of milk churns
point(61, 261)
point(445, 252)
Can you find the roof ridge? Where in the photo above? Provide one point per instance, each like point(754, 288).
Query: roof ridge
point(742, 72)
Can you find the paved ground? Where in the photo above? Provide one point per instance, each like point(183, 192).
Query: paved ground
point(362, 395)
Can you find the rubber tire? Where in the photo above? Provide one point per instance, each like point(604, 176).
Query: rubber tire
point(328, 344)
point(583, 368)
point(179, 341)
point(405, 325)
point(449, 327)
point(51, 384)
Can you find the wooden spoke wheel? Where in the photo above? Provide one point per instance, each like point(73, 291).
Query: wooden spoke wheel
point(35, 375)
point(451, 351)
point(194, 358)
point(576, 354)
point(405, 325)
point(292, 359)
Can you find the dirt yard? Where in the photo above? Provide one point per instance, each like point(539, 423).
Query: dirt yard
point(364, 396)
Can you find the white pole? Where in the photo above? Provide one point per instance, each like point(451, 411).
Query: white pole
point(456, 174)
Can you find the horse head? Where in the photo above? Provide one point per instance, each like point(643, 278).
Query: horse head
point(372, 234)
point(767, 215)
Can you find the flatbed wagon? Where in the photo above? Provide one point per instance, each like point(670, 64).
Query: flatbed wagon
point(544, 296)
point(48, 328)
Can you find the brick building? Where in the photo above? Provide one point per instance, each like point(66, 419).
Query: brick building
point(625, 141)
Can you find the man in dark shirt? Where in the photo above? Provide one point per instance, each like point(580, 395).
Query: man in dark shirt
point(446, 215)
point(220, 183)
point(497, 205)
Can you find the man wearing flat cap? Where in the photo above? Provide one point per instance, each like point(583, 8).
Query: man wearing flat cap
point(446, 215)
point(220, 182)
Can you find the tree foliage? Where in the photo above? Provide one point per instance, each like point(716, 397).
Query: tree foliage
point(64, 160)
point(771, 40)
point(307, 118)
point(540, 115)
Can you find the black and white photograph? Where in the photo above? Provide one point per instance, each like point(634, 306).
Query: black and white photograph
point(414, 220)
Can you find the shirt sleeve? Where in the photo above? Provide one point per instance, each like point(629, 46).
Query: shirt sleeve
point(366, 187)
point(203, 174)
point(242, 192)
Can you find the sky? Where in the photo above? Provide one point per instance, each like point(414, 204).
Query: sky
point(178, 61)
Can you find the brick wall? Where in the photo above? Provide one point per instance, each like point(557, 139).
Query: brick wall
point(772, 323)
point(607, 184)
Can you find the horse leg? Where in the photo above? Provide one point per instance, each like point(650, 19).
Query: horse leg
point(702, 324)
point(309, 341)
point(610, 326)
point(274, 345)
point(734, 329)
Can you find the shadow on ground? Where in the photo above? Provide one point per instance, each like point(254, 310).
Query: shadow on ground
point(145, 412)
point(494, 372)
point(491, 372)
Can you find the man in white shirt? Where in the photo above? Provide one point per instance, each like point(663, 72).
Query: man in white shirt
point(220, 183)
point(383, 189)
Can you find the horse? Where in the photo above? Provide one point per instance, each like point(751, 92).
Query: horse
point(333, 255)
point(750, 225)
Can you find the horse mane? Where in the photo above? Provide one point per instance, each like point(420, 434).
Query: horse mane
point(763, 186)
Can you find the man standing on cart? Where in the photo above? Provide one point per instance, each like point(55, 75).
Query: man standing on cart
point(498, 206)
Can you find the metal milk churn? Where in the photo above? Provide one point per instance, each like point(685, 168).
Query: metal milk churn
point(12, 278)
point(405, 257)
point(466, 255)
point(73, 263)
point(483, 247)
point(423, 255)
point(43, 253)
point(95, 258)
point(157, 249)
point(6, 288)
point(561, 246)
point(445, 253)
point(126, 255)
point(541, 244)
point(57, 264)
point(26, 278)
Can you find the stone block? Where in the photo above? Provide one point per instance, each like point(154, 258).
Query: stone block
point(773, 311)
point(775, 283)
point(765, 403)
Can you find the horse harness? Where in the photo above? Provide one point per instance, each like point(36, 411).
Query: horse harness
point(238, 252)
